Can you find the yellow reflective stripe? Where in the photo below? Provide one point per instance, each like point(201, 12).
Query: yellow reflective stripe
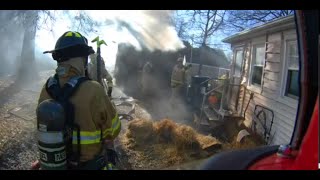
point(110, 166)
point(93, 141)
point(87, 137)
point(116, 131)
point(115, 120)
point(68, 34)
point(107, 133)
point(114, 126)
point(87, 133)
point(77, 34)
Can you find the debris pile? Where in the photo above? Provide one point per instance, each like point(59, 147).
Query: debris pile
point(155, 145)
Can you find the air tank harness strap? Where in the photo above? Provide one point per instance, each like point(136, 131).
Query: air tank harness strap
point(62, 95)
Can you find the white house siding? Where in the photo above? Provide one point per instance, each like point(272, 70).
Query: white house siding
point(269, 96)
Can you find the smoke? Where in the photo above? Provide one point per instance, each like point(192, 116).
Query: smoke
point(151, 36)
point(144, 30)
point(11, 44)
point(151, 29)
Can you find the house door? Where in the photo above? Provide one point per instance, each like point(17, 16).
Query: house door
point(235, 80)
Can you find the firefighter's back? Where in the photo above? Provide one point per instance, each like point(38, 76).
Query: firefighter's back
point(74, 116)
point(93, 113)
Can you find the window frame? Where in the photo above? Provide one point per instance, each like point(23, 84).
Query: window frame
point(290, 101)
point(239, 48)
point(251, 86)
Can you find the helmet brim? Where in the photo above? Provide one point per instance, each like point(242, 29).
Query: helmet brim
point(91, 50)
point(45, 52)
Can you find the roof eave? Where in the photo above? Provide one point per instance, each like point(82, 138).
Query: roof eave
point(275, 26)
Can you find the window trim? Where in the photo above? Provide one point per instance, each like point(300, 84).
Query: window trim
point(253, 87)
point(287, 94)
point(292, 102)
point(285, 67)
point(236, 49)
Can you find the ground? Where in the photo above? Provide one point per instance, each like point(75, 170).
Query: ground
point(18, 146)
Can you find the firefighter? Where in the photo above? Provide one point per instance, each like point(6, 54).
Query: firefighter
point(147, 80)
point(92, 72)
point(95, 119)
point(178, 81)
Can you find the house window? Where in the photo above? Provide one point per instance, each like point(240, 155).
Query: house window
point(238, 63)
point(292, 70)
point(257, 64)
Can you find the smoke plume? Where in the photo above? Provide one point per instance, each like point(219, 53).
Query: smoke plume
point(149, 29)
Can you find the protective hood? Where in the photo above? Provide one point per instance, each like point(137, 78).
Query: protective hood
point(77, 63)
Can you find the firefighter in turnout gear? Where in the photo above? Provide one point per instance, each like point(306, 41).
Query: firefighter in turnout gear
point(88, 119)
point(147, 79)
point(178, 81)
point(92, 72)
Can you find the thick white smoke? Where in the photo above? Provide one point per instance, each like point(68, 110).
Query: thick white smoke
point(151, 29)
point(142, 29)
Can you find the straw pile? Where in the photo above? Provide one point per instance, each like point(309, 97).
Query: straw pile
point(248, 142)
point(154, 145)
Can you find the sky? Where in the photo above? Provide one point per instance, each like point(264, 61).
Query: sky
point(215, 40)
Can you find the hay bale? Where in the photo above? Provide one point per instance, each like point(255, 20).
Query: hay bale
point(206, 141)
point(165, 130)
point(185, 138)
point(168, 143)
point(141, 131)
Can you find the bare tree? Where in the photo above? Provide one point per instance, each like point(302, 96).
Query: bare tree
point(239, 20)
point(29, 19)
point(30, 22)
point(83, 22)
point(203, 24)
point(183, 21)
point(207, 22)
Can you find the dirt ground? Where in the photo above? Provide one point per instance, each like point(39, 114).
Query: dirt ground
point(18, 146)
